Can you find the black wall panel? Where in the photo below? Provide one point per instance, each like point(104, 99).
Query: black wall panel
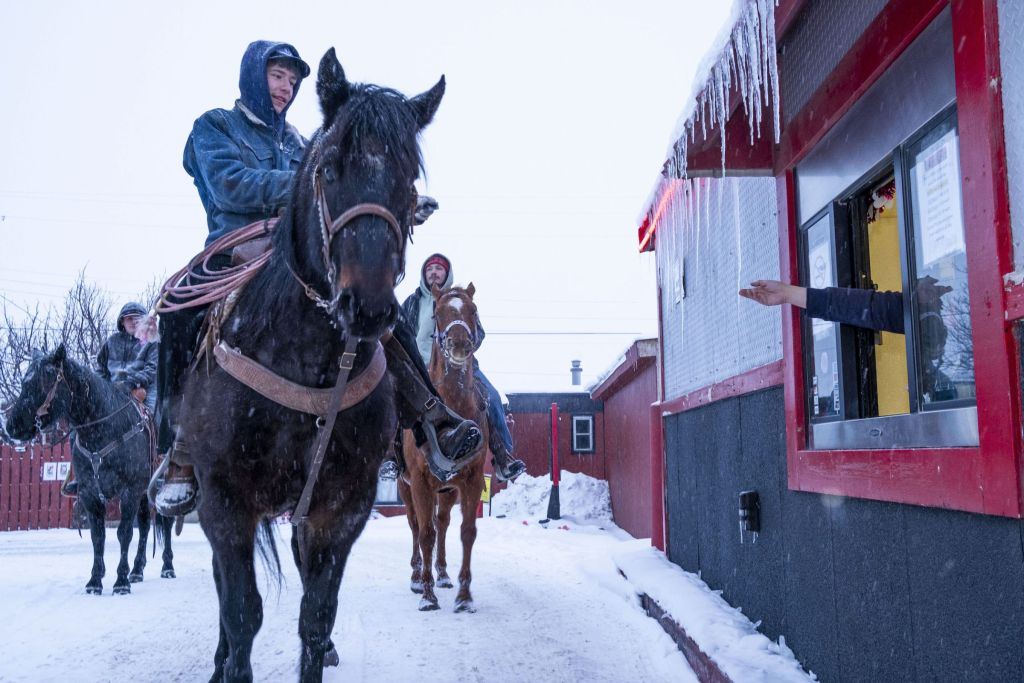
point(967, 595)
point(862, 590)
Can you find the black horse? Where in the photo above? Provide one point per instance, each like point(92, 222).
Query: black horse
point(327, 282)
point(111, 455)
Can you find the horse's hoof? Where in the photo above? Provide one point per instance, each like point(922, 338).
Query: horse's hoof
point(444, 582)
point(416, 586)
point(94, 590)
point(465, 606)
point(428, 605)
point(135, 577)
point(332, 658)
point(167, 574)
point(123, 590)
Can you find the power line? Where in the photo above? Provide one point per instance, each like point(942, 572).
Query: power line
point(81, 221)
point(563, 333)
point(25, 310)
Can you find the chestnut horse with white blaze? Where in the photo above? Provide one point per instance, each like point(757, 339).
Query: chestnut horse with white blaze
point(429, 501)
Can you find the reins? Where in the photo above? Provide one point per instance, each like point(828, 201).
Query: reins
point(325, 426)
point(197, 285)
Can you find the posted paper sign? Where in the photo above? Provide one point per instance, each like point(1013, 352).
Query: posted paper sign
point(938, 200)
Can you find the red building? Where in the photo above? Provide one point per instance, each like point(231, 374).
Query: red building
point(603, 433)
point(871, 144)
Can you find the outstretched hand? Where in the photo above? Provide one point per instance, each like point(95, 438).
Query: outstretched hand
point(425, 207)
point(774, 292)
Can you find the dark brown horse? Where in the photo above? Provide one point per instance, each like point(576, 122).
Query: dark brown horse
point(328, 282)
point(111, 456)
point(428, 501)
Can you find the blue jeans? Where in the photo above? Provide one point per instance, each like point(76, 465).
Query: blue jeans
point(495, 413)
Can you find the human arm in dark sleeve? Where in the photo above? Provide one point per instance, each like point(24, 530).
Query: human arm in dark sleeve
point(860, 307)
point(142, 371)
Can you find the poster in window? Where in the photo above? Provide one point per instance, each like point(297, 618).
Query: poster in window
point(820, 276)
point(937, 172)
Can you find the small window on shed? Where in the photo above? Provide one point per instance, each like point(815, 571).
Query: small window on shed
point(582, 433)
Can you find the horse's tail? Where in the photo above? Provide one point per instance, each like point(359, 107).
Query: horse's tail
point(159, 522)
point(267, 549)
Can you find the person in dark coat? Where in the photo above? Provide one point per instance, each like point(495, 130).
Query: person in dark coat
point(418, 312)
point(129, 363)
point(242, 162)
point(873, 310)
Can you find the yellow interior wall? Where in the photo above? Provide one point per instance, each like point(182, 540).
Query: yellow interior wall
point(891, 353)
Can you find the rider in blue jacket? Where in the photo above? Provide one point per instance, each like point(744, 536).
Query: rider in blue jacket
point(242, 162)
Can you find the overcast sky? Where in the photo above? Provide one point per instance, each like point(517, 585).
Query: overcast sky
point(549, 139)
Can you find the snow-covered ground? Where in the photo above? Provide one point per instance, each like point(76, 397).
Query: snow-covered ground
point(552, 605)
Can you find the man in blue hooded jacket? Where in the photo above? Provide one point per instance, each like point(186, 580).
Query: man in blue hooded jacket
point(242, 162)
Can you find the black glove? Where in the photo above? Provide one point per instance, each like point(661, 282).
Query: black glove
point(425, 206)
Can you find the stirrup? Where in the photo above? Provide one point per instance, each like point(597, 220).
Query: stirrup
point(177, 498)
point(512, 469)
point(443, 467)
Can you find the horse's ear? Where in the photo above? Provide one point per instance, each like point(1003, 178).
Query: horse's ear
point(470, 290)
point(425, 104)
point(436, 291)
point(331, 86)
point(60, 354)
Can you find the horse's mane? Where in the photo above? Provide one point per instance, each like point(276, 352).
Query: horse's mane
point(373, 118)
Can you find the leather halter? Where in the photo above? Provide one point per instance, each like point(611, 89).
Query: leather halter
point(329, 227)
point(44, 409)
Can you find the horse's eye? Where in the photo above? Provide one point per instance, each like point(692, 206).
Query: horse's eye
point(329, 174)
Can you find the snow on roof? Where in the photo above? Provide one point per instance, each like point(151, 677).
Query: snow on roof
point(645, 346)
point(741, 57)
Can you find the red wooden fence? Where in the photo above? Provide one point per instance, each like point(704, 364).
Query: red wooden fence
point(30, 479)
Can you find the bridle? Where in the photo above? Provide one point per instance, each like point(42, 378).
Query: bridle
point(44, 409)
point(444, 342)
point(329, 227)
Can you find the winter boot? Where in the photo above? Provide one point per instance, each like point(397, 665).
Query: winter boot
point(506, 468)
point(69, 487)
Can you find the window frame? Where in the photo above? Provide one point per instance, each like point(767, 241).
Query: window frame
point(986, 478)
point(956, 421)
point(579, 418)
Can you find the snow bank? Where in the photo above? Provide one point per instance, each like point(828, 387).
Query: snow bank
point(582, 498)
point(720, 630)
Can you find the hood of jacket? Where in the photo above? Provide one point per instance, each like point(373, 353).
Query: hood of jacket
point(252, 80)
point(424, 320)
point(130, 308)
point(424, 287)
